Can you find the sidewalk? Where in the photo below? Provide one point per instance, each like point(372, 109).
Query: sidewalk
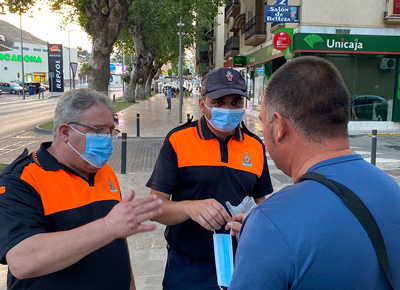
point(148, 250)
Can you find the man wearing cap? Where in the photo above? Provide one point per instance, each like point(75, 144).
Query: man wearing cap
point(202, 165)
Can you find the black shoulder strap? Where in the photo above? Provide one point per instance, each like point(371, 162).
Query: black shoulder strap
point(361, 212)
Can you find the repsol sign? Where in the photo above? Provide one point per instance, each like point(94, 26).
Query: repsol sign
point(14, 57)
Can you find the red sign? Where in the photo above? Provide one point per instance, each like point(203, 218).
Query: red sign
point(282, 41)
point(396, 7)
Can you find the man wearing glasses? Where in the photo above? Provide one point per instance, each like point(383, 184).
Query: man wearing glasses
point(62, 222)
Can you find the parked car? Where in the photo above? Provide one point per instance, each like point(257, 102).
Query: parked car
point(45, 86)
point(1, 92)
point(369, 108)
point(11, 88)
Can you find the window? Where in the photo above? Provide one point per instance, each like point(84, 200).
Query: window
point(37, 49)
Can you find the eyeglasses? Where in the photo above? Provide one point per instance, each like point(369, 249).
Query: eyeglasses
point(99, 131)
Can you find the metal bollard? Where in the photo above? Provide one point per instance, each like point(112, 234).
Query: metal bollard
point(123, 153)
point(138, 124)
point(114, 98)
point(188, 117)
point(373, 149)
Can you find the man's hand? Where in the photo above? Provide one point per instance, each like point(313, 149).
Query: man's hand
point(236, 223)
point(126, 218)
point(208, 213)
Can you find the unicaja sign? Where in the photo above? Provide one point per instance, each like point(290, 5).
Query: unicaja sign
point(353, 45)
point(340, 44)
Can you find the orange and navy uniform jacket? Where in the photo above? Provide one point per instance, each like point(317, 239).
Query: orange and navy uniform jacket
point(40, 195)
point(194, 164)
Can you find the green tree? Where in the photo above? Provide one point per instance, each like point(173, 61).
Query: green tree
point(153, 28)
point(101, 19)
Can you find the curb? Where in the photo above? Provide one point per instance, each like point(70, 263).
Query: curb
point(384, 134)
point(44, 131)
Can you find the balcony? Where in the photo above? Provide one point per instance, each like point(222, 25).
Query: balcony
point(210, 36)
point(254, 31)
point(276, 25)
point(231, 47)
point(232, 9)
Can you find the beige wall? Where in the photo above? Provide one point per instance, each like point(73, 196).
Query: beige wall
point(354, 13)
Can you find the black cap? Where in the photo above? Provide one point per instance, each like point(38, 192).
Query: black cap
point(223, 81)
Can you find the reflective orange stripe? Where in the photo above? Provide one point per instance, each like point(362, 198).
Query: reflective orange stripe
point(2, 189)
point(58, 195)
point(193, 151)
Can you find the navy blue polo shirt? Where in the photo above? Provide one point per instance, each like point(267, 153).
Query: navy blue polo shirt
point(40, 195)
point(194, 164)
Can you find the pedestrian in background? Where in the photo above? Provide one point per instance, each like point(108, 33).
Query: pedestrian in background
point(62, 222)
point(168, 95)
point(202, 165)
point(304, 236)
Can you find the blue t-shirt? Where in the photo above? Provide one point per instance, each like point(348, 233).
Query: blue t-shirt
point(304, 236)
point(168, 93)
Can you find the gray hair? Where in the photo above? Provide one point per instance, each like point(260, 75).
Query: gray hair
point(73, 103)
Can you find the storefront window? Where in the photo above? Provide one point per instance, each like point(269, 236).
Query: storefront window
point(370, 80)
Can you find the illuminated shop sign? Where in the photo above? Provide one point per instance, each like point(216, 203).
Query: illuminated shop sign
point(18, 57)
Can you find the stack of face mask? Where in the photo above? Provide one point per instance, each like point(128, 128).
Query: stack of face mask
point(245, 206)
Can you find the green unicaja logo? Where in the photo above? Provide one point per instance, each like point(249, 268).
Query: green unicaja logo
point(312, 39)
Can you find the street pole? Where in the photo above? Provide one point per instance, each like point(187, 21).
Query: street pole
point(123, 85)
point(22, 55)
point(180, 24)
point(69, 60)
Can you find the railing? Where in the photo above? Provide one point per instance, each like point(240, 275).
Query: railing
point(228, 6)
point(232, 43)
point(232, 8)
point(210, 35)
point(255, 26)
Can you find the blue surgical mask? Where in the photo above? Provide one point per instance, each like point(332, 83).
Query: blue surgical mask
point(223, 253)
point(225, 120)
point(98, 148)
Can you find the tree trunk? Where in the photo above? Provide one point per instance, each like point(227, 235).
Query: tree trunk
point(154, 72)
point(130, 91)
point(105, 20)
point(141, 63)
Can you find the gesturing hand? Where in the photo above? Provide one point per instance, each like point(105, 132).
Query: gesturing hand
point(209, 213)
point(126, 218)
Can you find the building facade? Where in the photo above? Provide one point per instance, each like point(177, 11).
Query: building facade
point(31, 57)
point(362, 39)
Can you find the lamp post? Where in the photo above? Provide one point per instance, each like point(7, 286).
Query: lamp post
point(180, 24)
point(69, 60)
point(22, 56)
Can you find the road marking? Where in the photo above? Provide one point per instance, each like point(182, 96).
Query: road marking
point(10, 148)
point(13, 102)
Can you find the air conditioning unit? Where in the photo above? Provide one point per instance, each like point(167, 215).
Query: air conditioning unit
point(387, 63)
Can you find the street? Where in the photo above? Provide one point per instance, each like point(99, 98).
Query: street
point(142, 155)
point(19, 118)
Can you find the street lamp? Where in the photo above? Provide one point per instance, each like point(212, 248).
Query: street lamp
point(69, 59)
point(22, 55)
point(180, 24)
